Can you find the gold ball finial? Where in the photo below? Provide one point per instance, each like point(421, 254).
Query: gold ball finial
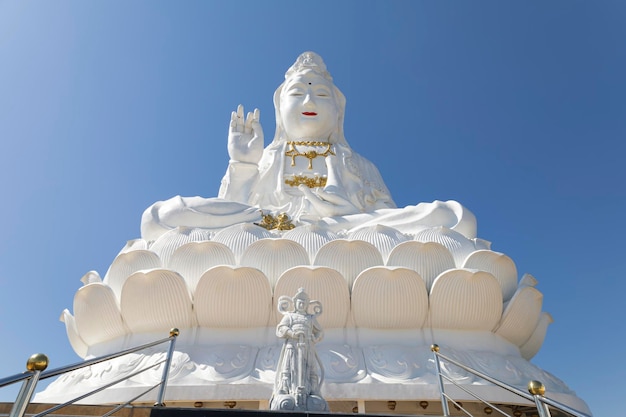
point(174, 332)
point(536, 388)
point(434, 348)
point(37, 362)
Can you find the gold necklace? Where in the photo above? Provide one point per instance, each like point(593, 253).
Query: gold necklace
point(293, 152)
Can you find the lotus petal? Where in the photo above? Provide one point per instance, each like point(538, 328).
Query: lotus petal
point(528, 281)
point(97, 314)
point(228, 297)
point(458, 245)
point(532, 346)
point(91, 277)
point(481, 243)
point(78, 344)
point(521, 316)
point(192, 259)
point(322, 284)
point(349, 257)
point(428, 259)
point(156, 301)
point(465, 300)
point(134, 244)
point(238, 237)
point(274, 256)
point(168, 242)
point(382, 237)
point(312, 237)
point(499, 265)
point(126, 264)
point(389, 298)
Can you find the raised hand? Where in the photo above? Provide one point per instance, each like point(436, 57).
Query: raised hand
point(245, 136)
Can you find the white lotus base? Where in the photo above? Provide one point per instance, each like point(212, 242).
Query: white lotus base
point(359, 364)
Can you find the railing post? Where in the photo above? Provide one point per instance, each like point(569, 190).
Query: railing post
point(537, 389)
point(166, 370)
point(444, 401)
point(35, 364)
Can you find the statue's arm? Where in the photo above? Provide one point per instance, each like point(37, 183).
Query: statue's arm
point(284, 328)
point(238, 181)
point(318, 332)
point(245, 148)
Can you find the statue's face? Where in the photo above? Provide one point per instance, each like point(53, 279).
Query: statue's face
point(301, 305)
point(308, 107)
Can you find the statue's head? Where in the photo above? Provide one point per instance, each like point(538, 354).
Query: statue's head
point(308, 105)
point(301, 301)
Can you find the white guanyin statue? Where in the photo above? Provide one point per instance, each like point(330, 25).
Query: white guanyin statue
point(307, 211)
point(309, 171)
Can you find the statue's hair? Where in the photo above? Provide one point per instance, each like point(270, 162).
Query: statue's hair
point(309, 61)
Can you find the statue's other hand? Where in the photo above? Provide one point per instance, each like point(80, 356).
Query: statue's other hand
point(245, 136)
point(328, 204)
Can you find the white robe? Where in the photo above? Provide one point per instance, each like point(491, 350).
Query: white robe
point(350, 176)
point(247, 189)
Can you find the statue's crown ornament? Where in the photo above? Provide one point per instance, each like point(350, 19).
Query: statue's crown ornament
point(301, 295)
point(309, 61)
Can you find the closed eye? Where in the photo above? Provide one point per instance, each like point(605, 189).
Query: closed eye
point(322, 92)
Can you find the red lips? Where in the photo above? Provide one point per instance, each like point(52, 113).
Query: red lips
point(309, 113)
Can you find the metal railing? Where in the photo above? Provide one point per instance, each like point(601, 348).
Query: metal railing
point(35, 371)
point(535, 394)
point(37, 364)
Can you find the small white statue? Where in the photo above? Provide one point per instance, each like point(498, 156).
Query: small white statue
point(309, 171)
point(299, 373)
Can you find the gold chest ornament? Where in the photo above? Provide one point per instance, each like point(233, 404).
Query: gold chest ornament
point(294, 152)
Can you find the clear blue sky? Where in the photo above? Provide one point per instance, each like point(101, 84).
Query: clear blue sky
point(516, 110)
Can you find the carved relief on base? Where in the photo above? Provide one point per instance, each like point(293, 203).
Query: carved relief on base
point(389, 363)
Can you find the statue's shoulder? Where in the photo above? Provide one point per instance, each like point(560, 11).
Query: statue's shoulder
point(364, 169)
